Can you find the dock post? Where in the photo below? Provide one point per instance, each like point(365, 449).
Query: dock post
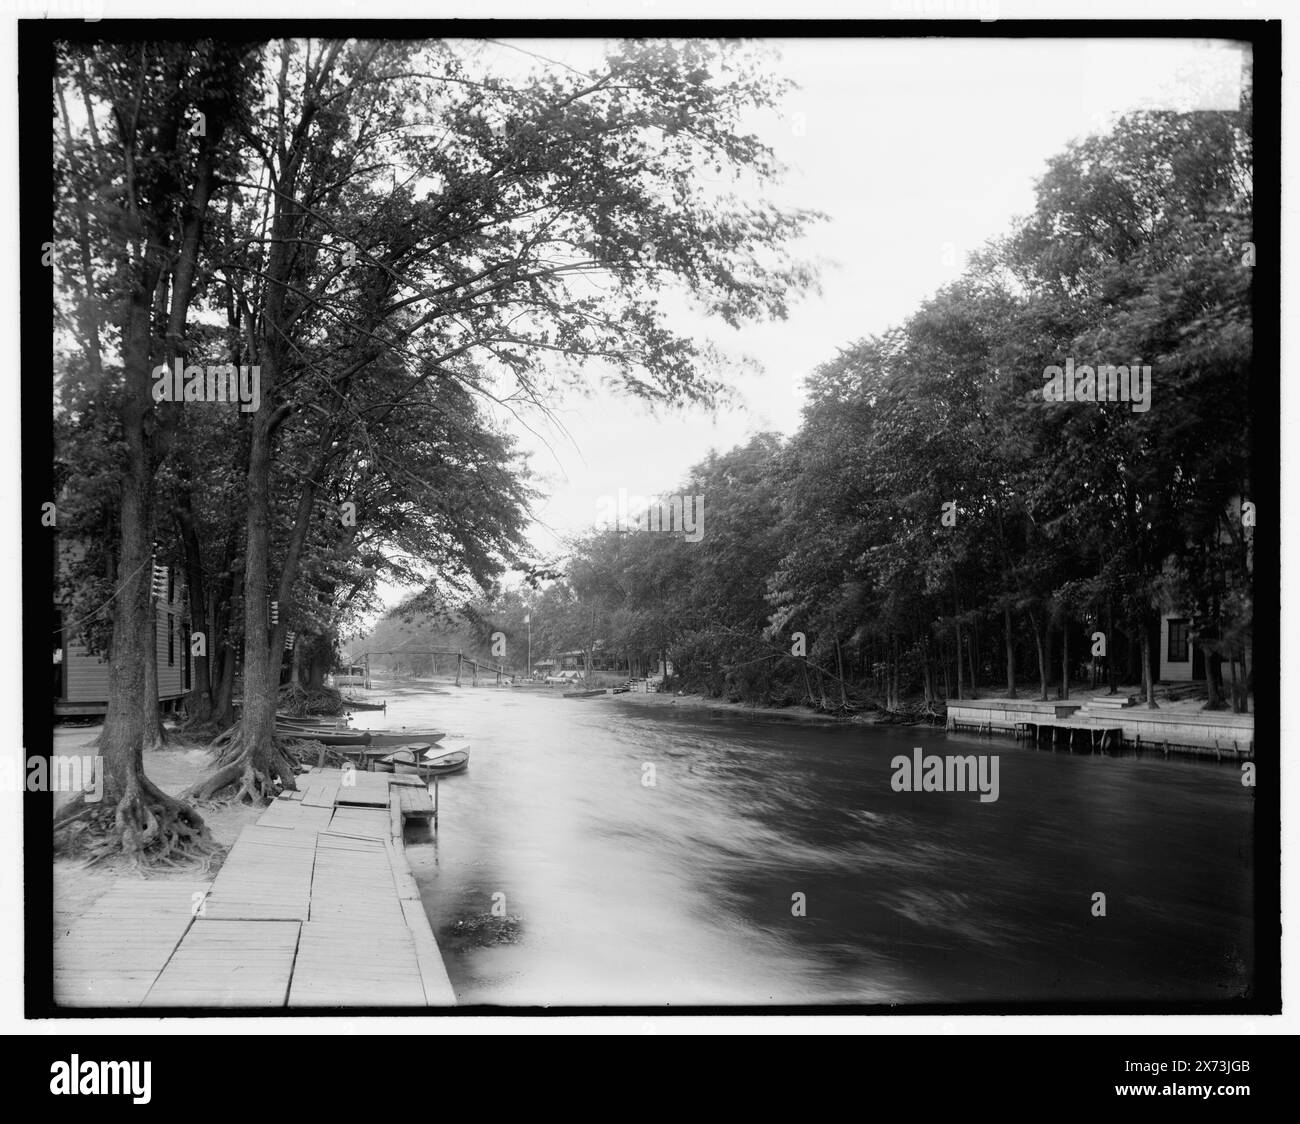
point(435, 804)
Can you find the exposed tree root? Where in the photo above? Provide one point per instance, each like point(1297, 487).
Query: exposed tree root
point(143, 823)
point(244, 775)
point(294, 699)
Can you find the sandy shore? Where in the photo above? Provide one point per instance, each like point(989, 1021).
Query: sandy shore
point(78, 885)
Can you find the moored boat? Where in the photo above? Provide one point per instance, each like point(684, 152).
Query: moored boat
point(401, 737)
point(414, 759)
point(320, 734)
point(357, 704)
point(345, 737)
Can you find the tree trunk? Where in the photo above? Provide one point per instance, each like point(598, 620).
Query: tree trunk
point(132, 812)
point(1112, 683)
point(1237, 705)
point(154, 734)
point(252, 761)
point(1065, 657)
point(956, 624)
point(223, 701)
point(927, 672)
point(1042, 658)
point(1011, 652)
point(1213, 678)
point(198, 703)
point(1148, 681)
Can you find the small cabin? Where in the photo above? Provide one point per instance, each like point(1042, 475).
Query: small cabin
point(81, 677)
point(1181, 659)
point(352, 675)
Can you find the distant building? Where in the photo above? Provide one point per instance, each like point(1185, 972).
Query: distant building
point(576, 660)
point(1181, 660)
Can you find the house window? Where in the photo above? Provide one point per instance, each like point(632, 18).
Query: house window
point(1180, 642)
point(185, 647)
point(171, 585)
point(171, 640)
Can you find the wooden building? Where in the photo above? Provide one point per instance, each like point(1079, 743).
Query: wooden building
point(81, 678)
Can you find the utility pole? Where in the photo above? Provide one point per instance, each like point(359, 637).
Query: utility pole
point(528, 620)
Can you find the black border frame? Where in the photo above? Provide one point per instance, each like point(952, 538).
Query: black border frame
point(36, 71)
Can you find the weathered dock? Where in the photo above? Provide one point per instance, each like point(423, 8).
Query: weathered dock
point(1099, 738)
point(315, 906)
point(1106, 723)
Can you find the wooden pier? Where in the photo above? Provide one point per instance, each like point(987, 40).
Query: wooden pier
point(315, 906)
point(1108, 724)
point(1099, 738)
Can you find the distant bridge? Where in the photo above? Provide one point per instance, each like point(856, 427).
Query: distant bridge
point(461, 661)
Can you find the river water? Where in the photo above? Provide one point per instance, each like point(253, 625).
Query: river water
point(560, 876)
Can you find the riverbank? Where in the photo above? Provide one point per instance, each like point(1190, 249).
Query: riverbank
point(805, 714)
point(78, 885)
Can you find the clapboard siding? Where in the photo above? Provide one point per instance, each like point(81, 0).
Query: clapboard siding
point(85, 676)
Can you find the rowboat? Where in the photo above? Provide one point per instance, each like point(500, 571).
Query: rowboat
point(583, 694)
point(410, 759)
point(345, 737)
point(400, 737)
point(357, 704)
point(329, 726)
point(320, 734)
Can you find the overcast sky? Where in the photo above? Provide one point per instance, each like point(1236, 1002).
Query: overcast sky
point(918, 151)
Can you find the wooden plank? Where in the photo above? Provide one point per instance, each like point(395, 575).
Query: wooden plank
point(110, 955)
point(350, 965)
point(266, 876)
point(438, 991)
point(416, 803)
point(371, 823)
point(229, 964)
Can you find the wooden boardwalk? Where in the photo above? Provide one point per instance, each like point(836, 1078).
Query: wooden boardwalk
point(315, 906)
